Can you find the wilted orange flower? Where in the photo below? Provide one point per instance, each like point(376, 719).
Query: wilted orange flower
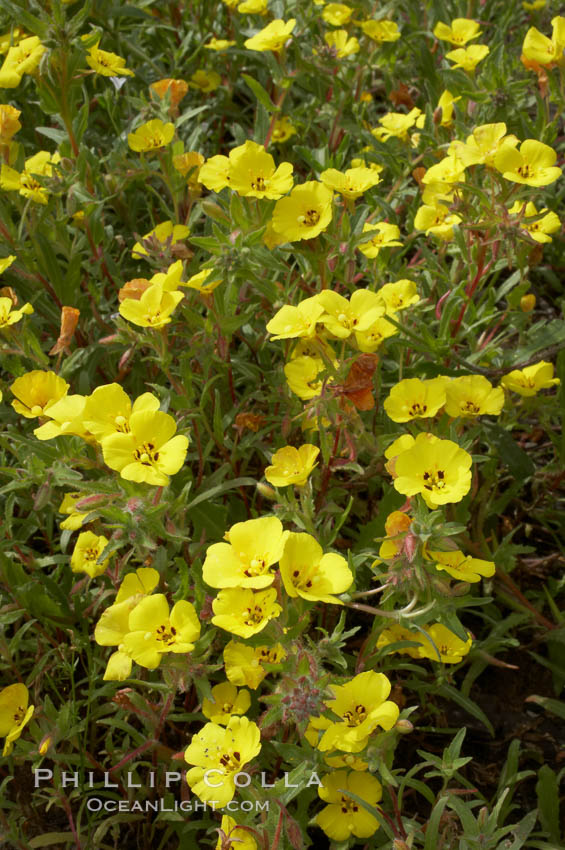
point(69, 321)
point(175, 89)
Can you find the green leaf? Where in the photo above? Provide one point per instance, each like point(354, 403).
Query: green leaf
point(260, 93)
point(57, 136)
point(554, 706)
point(472, 708)
point(547, 790)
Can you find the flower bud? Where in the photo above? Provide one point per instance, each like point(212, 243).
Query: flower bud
point(44, 744)
point(527, 302)
point(266, 491)
point(404, 727)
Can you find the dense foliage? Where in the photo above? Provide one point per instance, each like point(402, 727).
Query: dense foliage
point(282, 403)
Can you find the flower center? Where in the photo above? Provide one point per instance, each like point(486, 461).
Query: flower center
point(231, 762)
point(418, 409)
point(19, 714)
point(254, 616)
point(434, 480)
point(256, 567)
point(259, 184)
point(166, 633)
point(310, 218)
point(348, 805)
point(470, 407)
point(146, 454)
point(355, 716)
point(305, 577)
point(525, 170)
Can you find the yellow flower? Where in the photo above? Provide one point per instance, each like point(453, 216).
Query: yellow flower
point(352, 183)
point(344, 816)
point(460, 32)
point(445, 103)
point(201, 283)
point(472, 395)
point(8, 315)
point(14, 714)
point(539, 230)
point(272, 37)
point(151, 136)
point(164, 235)
point(150, 453)
point(527, 302)
point(305, 213)
point(386, 236)
point(113, 625)
point(398, 296)
point(396, 525)
point(22, 58)
point(188, 164)
point(108, 410)
point(107, 64)
point(292, 466)
point(226, 701)
point(341, 44)
point(437, 469)
point(254, 546)
point(9, 124)
point(252, 173)
point(462, 567)
point(302, 376)
point(533, 164)
point(6, 262)
point(10, 38)
point(361, 705)
point(371, 339)
point(175, 90)
point(451, 169)
point(290, 322)
point(337, 14)
point(381, 31)
point(86, 554)
point(253, 7)
point(436, 220)
point(153, 630)
point(36, 392)
point(219, 754)
point(243, 663)
point(283, 129)
point(415, 399)
point(205, 81)
point(67, 506)
point(482, 145)
point(345, 317)
point(468, 57)
point(237, 838)
point(401, 444)
point(534, 6)
point(219, 44)
point(451, 649)
point(243, 612)
point(399, 634)
point(66, 418)
point(308, 573)
point(529, 380)
point(26, 183)
point(398, 124)
point(153, 309)
point(215, 173)
point(135, 585)
point(542, 50)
